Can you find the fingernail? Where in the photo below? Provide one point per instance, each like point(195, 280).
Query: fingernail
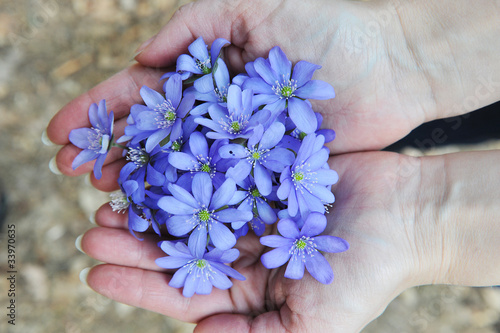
point(143, 46)
point(92, 218)
point(87, 180)
point(78, 243)
point(83, 275)
point(53, 166)
point(45, 139)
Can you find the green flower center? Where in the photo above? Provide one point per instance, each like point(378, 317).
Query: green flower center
point(255, 155)
point(300, 244)
point(298, 176)
point(176, 146)
point(255, 192)
point(286, 91)
point(206, 168)
point(235, 126)
point(170, 116)
point(204, 215)
point(201, 263)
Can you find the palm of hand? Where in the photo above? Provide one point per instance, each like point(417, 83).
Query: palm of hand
point(369, 275)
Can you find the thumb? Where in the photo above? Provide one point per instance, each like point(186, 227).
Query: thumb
point(209, 19)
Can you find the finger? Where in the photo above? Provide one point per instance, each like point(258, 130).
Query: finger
point(202, 18)
point(109, 179)
point(106, 217)
point(229, 19)
point(150, 290)
point(270, 322)
point(119, 247)
point(120, 91)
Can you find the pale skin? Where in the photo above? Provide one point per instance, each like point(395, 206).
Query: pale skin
point(410, 221)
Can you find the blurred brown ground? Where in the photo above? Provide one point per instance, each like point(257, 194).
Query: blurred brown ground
point(50, 52)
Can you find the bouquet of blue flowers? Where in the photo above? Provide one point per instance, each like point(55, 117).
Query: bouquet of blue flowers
point(216, 157)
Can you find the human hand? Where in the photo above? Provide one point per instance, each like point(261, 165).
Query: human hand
point(372, 212)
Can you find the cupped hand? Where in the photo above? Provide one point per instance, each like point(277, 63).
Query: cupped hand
point(379, 99)
point(372, 212)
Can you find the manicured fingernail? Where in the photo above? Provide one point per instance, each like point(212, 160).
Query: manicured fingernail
point(83, 275)
point(45, 139)
point(92, 218)
point(53, 167)
point(78, 243)
point(143, 46)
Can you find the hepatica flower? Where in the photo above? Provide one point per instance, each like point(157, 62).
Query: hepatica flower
point(306, 184)
point(198, 273)
point(279, 88)
point(162, 116)
point(300, 248)
point(215, 157)
point(95, 141)
point(203, 212)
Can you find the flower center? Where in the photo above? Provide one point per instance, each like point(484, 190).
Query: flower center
point(201, 263)
point(286, 88)
point(300, 244)
point(235, 126)
point(255, 193)
point(165, 114)
point(255, 155)
point(221, 94)
point(176, 145)
point(297, 176)
point(204, 215)
point(286, 91)
point(138, 156)
point(119, 202)
point(170, 116)
point(206, 168)
point(204, 66)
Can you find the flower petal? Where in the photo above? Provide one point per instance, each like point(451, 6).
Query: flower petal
point(197, 241)
point(171, 262)
point(182, 161)
point(295, 268)
point(276, 257)
point(198, 145)
point(198, 49)
point(314, 224)
point(175, 206)
point(179, 225)
point(223, 194)
point(276, 241)
point(151, 97)
point(173, 90)
point(315, 89)
point(217, 45)
point(221, 236)
point(280, 63)
point(288, 228)
point(302, 115)
point(179, 278)
point(331, 244)
point(234, 215)
point(80, 137)
point(319, 268)
point(202, 188)
point(265, 70)
point(303, 72)
point(180, 194)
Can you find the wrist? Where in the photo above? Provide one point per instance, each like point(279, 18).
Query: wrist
point(449, 55)
point(457, 216)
